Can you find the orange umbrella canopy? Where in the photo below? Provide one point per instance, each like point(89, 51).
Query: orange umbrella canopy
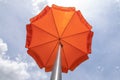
point(56, 26)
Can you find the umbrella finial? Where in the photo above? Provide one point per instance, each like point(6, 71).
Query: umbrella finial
point(56, 72)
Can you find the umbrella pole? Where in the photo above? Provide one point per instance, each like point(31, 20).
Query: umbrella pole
point(56, 72)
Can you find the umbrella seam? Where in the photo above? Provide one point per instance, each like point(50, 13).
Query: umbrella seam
point(75, 34)
point(67, 24)
point(74, 47)
point(65, 58)
point(44, 30)
point(43, 43)
point(55, 22)
point(51, 54)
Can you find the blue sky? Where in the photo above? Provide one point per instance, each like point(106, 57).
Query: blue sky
point(103, 63)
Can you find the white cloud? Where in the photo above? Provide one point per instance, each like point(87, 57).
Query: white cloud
point(12, 70)
point(38, 5)
point(3, 47)
point(17, 69)
point(9, 69)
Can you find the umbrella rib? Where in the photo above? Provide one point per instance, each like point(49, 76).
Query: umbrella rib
point(65, 57)
point(44, 43)
point(75, 34)
point(67, 24)
point(74, 47)
point(44, 31)
point(51, 54)
point(55, 23)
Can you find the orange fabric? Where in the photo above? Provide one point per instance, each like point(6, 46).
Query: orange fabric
point(54, 26)
point(62, 18)
point(46, 23)
point(74, 25)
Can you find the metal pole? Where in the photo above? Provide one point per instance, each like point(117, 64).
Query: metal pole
point(56, 72)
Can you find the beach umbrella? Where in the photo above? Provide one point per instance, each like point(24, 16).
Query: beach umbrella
point(59, 39)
